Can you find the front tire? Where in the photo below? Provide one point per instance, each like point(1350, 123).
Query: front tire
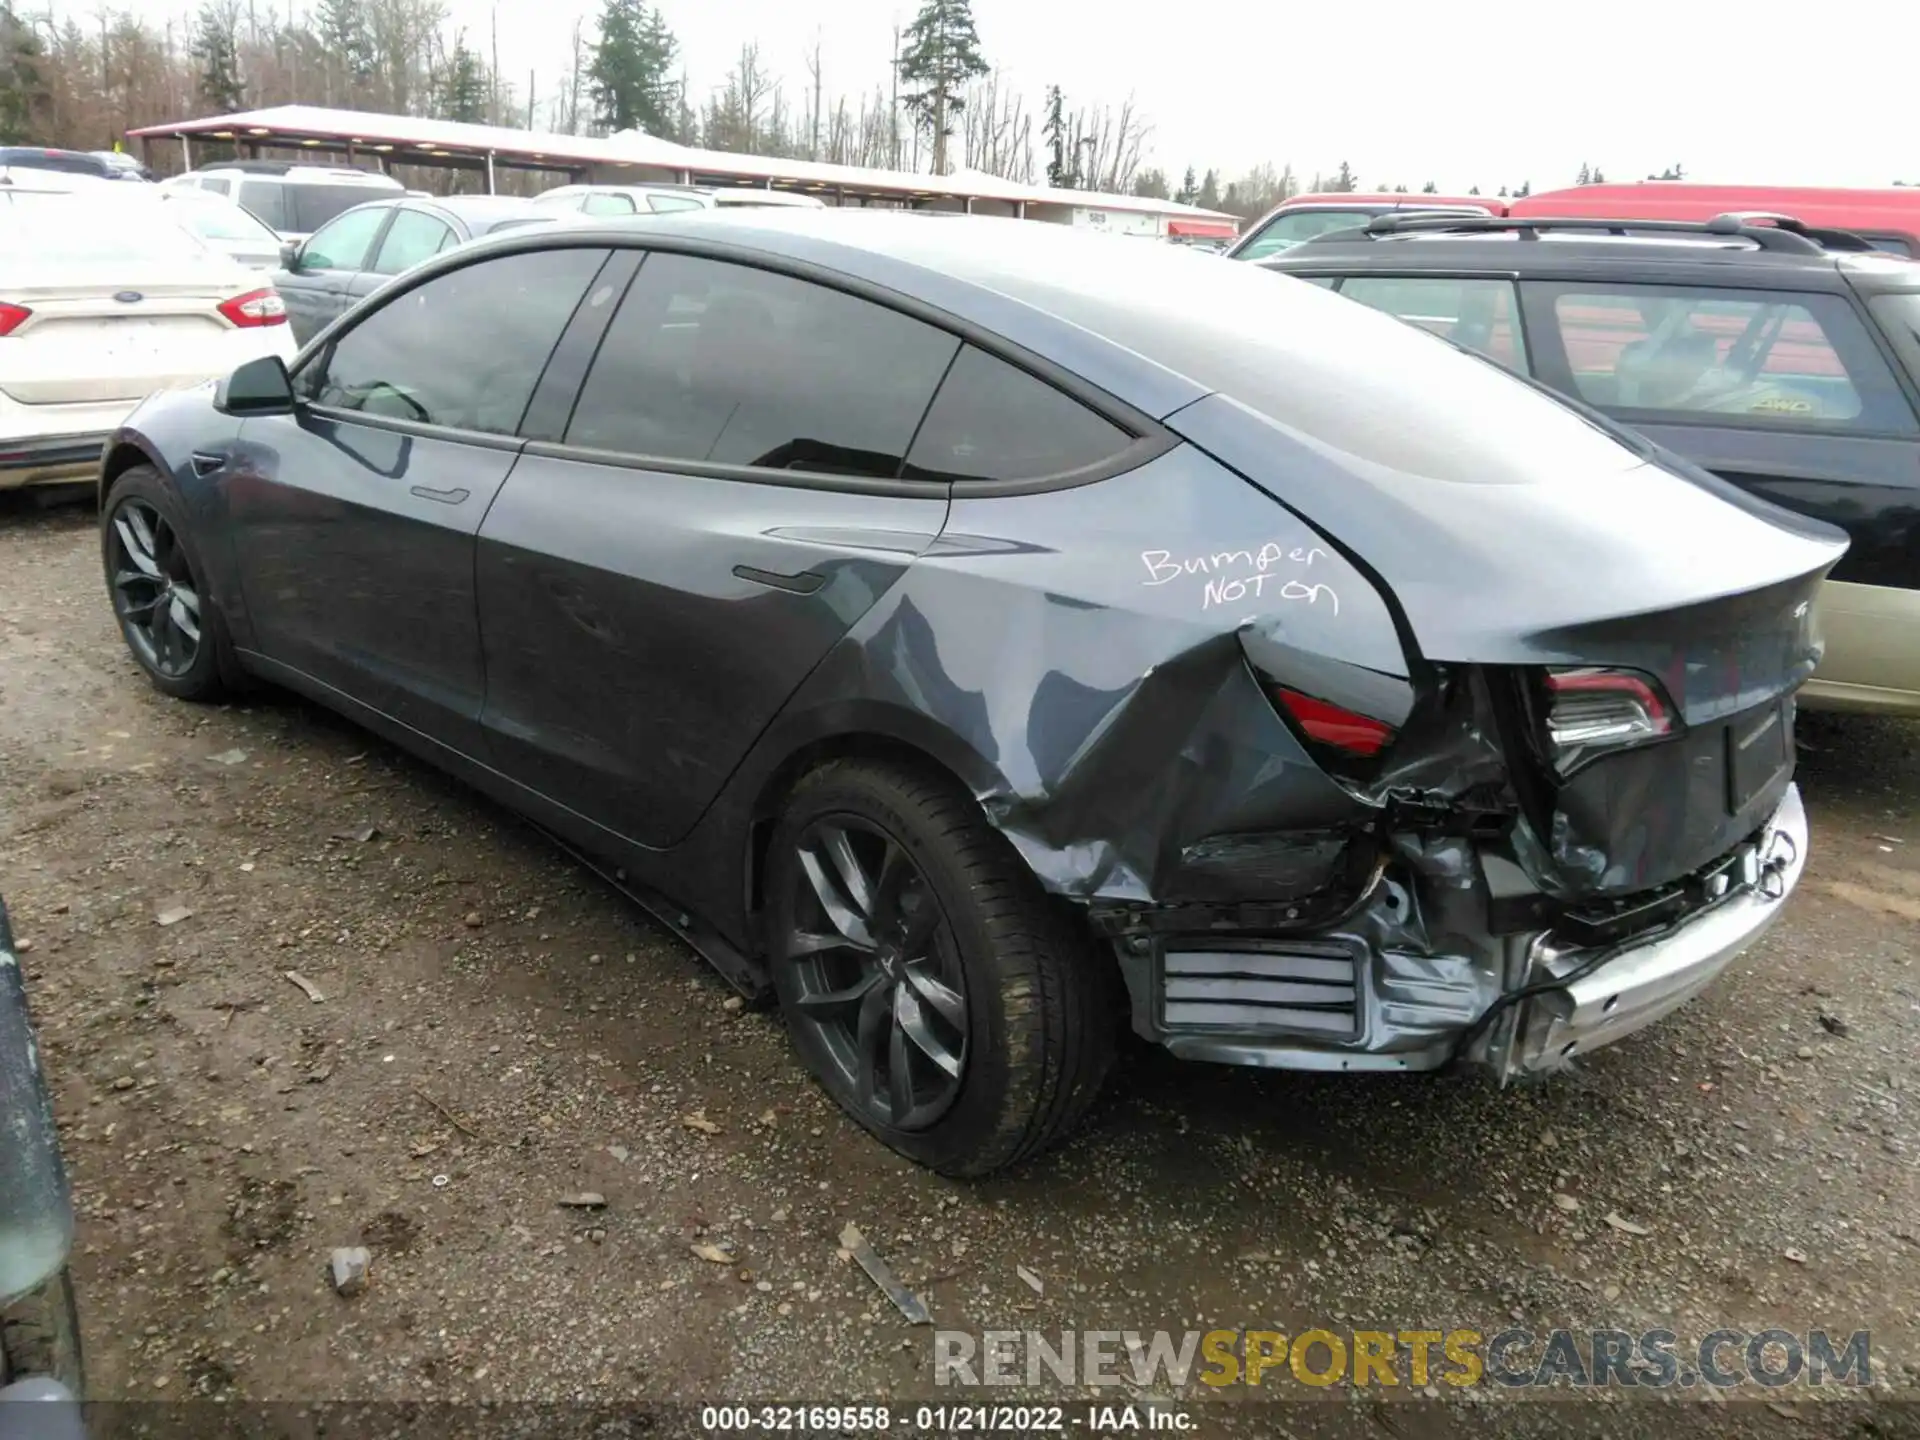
point(158, 587)
point(943, 999)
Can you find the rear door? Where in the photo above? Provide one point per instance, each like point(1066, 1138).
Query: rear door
point(319, 285)
point(354, 518)
point(680, 546)
point(1784, 394)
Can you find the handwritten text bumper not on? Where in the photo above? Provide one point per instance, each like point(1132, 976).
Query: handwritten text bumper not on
point(1268, 572)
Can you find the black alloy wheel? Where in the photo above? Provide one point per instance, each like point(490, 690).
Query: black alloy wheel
point(172, 625)
point(939, 994)
point(875, 974)
point(155, 593)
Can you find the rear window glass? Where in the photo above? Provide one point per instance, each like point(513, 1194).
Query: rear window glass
point(1478, 314)
point(220, 222)
point(64, 229)
point(64, 162)
point(1746, 355)
point(264, 199)
point(1289, 229)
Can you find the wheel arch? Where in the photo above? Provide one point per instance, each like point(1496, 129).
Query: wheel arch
point(122, 454)
point(849, 731)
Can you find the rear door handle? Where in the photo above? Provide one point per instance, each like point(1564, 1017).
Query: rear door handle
point(446, 497)
point(205, 464)
point(804, 583)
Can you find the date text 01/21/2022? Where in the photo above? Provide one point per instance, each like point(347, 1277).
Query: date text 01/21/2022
point(941, 1419)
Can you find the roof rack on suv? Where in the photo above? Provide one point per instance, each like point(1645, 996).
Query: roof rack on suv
point(1766, 231)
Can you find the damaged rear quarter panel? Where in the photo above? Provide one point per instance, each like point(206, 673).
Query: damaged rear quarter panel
point(1075, 655)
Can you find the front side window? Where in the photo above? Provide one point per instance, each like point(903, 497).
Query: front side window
point(1290, 227)
point(994, 421)
point(1478, 314)
point(724, 364)
point(219, 187)
point(666, 204)
point(465, 349)
point(413, 237)
point(601, 203)
point(1758, 357)
point(344, 244)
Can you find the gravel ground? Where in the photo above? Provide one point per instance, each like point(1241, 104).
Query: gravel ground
point(499, 1033)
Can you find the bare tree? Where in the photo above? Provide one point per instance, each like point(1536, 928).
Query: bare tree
point(997, 133)
point(1104, 146)
point(813, 111)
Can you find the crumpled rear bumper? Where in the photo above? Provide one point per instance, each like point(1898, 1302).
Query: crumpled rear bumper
point(1356, 997)
point(1642, 983)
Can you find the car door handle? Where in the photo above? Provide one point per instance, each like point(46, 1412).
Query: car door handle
point(205, 464)
point(446, 497)
point(803, 583)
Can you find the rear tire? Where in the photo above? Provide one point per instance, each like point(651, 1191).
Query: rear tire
point(996, 975)
point(157, 584)
point(40, 1336)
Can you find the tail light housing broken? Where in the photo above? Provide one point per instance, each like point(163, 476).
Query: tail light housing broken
point(1590, 711)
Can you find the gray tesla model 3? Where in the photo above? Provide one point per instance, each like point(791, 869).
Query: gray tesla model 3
point(986, 638)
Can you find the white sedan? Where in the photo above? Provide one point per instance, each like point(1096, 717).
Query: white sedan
point(100, 307)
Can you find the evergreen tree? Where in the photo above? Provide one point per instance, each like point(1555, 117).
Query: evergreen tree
point(1598, 178)
point(1152, 185)
point(1526, 189)
point(463, 94)
point(1054, 129)
point(1585, 177)
point(1473, 190)
point(23, 81)
point(1345, 182)
point(1209, 196)
point(1430, 188)
point(342, 28)
point(631, 72)
point(942, 54)
point(1189, 190)
point(217, 48)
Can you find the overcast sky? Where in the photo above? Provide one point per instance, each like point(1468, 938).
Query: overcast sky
point(1488, 93)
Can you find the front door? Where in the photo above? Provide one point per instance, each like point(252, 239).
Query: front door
point(316, 288)
point(722, 505)
point(355, 517)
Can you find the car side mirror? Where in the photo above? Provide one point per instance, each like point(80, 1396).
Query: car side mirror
point(259, 387)
point(289, 254)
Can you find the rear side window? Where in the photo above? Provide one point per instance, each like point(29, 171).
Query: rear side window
point(994, 421)
point(219, 187)
point(666, 204)
point(712, 362)
point(1726, 356)
point(465, 349)
point(312, 206)
point(1479, 314)
point(413, 237)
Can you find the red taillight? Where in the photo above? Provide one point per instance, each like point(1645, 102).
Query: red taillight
point(1333, 725)
point(1594, 709)
point(255, 308)
point(12, 317)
